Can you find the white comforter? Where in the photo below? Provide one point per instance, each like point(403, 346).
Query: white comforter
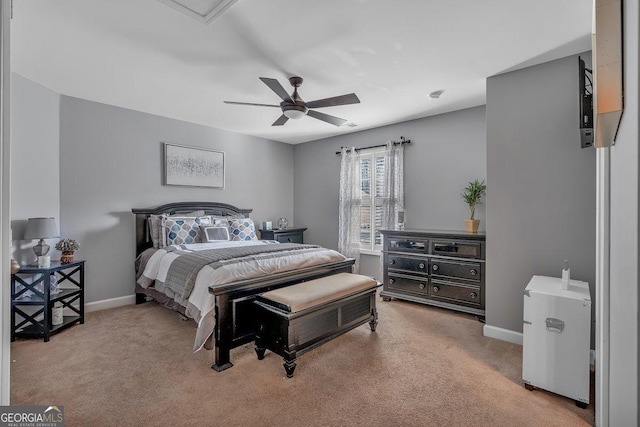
point(200, 304)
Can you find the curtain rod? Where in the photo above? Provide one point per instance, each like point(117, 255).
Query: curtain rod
point(402, 141)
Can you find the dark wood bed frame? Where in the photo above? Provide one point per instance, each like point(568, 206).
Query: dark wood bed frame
point(234, 308)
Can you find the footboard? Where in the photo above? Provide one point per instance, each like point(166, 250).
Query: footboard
point(234, 308)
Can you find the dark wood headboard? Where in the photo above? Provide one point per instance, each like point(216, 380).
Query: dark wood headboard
point(143, 240)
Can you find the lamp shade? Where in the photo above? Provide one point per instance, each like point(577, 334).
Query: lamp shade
point(41, 228)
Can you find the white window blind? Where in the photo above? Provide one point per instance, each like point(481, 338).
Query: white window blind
point(372, 175)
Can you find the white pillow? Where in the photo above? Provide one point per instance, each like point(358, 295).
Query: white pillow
point(212, 233)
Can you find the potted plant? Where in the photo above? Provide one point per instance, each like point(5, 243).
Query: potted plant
point(472, 195)
point(67, 247)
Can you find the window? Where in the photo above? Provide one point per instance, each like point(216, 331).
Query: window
point(371, 197)
point(372, 176)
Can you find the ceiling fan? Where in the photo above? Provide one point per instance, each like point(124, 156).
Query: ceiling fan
point(293, 107)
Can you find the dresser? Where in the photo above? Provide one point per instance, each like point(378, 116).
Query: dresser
point(284, 235)
point(440, 268)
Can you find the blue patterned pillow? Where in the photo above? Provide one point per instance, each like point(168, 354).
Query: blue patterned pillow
point(242, 229)
point(183, 231)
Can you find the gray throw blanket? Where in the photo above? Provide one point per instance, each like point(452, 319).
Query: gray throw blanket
point(183, 271)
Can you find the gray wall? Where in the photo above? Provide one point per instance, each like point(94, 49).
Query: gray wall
point(625, 247)
point(541, 197)
point(446, 152)
point(35, 168)
point(110, 162)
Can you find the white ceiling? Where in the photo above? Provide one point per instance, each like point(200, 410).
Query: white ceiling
point(146, 56)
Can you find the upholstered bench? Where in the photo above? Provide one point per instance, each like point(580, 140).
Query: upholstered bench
point(295, 319)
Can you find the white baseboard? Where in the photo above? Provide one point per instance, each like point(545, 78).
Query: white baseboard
point(109, 303)
point(502, 334)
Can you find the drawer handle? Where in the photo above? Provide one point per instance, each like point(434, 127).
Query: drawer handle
point(421, 266)
point(421, 286)
point(288, 239)
point(473, 272)
point(474, 295)
point(393, 261)
point(392, 281)
point(436, 288)
point(435, 267)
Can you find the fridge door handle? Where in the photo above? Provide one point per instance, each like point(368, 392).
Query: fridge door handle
point(554, 325)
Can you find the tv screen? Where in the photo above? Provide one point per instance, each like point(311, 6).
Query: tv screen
point(585, 88)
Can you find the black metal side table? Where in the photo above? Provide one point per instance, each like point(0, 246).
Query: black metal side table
point(36, 293)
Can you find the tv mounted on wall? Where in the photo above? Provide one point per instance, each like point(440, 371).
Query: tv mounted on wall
point(585, 87)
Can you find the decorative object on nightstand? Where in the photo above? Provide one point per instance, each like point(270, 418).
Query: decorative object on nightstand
point(41, 228)
point(67, 247)
point(282, 223)
point(15, 267)
point(267, 225)
point(472, 195)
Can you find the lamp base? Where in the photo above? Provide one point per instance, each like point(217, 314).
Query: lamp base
point(41, 248)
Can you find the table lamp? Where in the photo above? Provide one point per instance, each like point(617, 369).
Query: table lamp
point(41, 228)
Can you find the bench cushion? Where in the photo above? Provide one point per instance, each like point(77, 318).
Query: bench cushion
point(319, 291)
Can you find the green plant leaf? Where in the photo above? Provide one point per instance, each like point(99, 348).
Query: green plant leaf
point(472, 194)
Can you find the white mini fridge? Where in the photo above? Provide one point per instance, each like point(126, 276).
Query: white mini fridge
point(556, 337)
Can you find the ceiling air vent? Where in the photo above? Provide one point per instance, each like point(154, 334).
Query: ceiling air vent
point(204, 11)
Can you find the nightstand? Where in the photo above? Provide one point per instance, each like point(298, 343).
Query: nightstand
point(285, 235)
point(31, 306)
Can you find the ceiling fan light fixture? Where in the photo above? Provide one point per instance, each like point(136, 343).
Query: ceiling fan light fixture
point(294, 112)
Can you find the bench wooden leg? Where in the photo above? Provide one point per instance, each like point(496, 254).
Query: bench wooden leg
point(374, 321)
point(260, 352)
point(289, 367)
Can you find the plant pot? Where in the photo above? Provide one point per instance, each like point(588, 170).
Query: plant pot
point(67, 257)
point(472, 225)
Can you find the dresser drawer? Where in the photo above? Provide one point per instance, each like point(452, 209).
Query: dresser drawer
point(456, 249)
point(407, 284)
point(455, 292)
point(294, 237)
point(414, 265)
point(408, 245)
point(461, 270)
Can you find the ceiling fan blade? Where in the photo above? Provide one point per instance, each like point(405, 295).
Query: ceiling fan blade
point(275, 86)
point(251, 103)
point(350, 98)
point(337, 121)
point(281, 120)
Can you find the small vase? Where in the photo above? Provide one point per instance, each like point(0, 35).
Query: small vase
point(15, 267)
point(67, 257)
point(472, 225)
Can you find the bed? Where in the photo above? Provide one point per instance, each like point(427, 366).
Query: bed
point(220, 300)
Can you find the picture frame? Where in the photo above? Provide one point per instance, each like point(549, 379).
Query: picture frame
point(193, 166)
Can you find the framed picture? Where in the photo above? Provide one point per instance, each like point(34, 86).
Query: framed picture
point(192, 166)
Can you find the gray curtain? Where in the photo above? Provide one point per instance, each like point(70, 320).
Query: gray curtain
point(393, 190)
point(350, 200)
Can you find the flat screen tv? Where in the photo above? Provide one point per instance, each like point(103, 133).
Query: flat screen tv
point(585, 88)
